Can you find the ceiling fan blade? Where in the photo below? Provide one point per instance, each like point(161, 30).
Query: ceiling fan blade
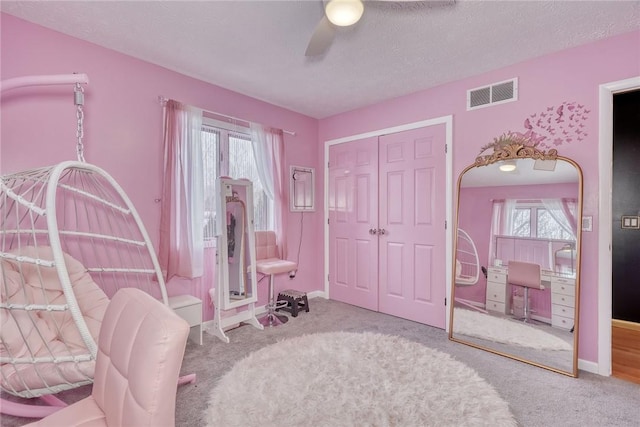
point(321, 38)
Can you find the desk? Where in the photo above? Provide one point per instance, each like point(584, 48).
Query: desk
point(562, 296)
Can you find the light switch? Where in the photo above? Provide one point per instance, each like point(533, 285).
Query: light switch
point(630, 222)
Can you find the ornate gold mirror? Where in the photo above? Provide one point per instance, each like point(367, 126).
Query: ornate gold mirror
point(517, 255)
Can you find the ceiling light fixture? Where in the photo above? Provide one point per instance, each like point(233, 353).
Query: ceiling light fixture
point(508, 166)
point(344, 12)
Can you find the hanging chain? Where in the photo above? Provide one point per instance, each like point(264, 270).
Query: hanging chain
point(78, 98)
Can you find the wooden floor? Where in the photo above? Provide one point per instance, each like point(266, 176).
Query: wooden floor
point(625, 350)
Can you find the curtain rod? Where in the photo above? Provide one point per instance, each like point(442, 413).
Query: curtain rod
point(163, 100)
point(51, 79)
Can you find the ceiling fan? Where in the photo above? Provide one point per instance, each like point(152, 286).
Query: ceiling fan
point(344, 13)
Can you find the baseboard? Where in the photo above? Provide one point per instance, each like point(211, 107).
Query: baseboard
point(541, 319)
point(471, 303)
point(316, 294)
point(588, 366)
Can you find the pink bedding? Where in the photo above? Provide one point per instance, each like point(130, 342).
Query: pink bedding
point(45, 333)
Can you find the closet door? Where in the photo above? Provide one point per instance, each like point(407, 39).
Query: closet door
point(412, 214)
point(353, 213)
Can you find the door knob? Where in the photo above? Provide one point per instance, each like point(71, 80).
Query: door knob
point(373, 231)
point(382, 231)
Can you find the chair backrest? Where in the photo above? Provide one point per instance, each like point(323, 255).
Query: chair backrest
point(140, 351)
point(524, 274)
point(266, 246)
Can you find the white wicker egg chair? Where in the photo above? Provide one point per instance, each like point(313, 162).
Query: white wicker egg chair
point(69, 239)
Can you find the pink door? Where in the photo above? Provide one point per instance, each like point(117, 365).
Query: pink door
point(412, 215)
point(386, 224)
point(353, 212)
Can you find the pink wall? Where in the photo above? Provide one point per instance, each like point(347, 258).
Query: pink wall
point(124, 120)
point(474, 217)
point(569, 76)
point(123, 123)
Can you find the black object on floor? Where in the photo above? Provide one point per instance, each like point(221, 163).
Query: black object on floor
point(296, 300)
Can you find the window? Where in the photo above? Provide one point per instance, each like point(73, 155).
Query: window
point(532, 219)
point(227, 151)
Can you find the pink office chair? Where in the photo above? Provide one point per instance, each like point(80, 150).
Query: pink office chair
point(268, 262)
point(526, 275)
point(140, 350)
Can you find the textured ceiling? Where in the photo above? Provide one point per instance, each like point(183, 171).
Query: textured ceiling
point(257, 47)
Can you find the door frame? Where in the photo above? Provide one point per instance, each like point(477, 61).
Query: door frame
point(605, 235)
point(448, 122)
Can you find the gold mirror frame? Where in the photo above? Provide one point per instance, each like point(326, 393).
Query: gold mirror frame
point(508, 147)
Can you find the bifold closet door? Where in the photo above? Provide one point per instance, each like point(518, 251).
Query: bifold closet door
point(353, 213)
point(412, 259)
point(386, 224)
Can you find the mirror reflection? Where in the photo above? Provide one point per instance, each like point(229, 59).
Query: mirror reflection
point(517, 260)
point(235, 243)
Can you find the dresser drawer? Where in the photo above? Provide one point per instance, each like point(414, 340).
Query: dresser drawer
point(561, 322)
point(496, 292)
point(565, 300)
point(563, 280)
point(562, 310)
point(499, 307)
point(563, 286)
point(496, 276)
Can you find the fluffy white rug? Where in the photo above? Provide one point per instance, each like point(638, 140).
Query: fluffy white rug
point(506, 331)
point(354, 379)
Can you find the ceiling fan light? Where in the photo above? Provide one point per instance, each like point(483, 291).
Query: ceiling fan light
point(344, 12)
point(508, 166)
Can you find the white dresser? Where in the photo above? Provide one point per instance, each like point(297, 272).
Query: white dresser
point(563, 298)
point(498, 300)
point(563, 292)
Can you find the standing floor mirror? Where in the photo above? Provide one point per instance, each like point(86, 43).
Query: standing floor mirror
point(517, 255)
point(236, 286)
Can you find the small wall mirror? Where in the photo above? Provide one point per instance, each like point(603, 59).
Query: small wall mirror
point(236, 244)
point(302, 189)
point(517, 256)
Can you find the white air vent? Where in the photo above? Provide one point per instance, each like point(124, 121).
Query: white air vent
point(496, 93)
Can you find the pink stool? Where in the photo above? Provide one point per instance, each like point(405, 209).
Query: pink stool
point(268, 262)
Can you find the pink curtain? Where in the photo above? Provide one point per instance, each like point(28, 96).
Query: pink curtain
point(182, 209)
point(268, 150)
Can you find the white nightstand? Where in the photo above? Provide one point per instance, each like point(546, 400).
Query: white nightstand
point(190, 309)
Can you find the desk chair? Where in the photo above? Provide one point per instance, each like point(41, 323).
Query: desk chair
point(268, 262)
point(140, 350)
point(527, 276)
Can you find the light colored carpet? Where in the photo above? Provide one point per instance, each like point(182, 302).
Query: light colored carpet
point(349, 379)
point(506, 331)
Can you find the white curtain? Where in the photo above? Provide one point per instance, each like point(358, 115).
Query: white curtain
point(508, 216)
point(268, 151)
point(502, 218)
point(561, 211)
point(263, 155)
point(182, 212)
point(496, 227)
